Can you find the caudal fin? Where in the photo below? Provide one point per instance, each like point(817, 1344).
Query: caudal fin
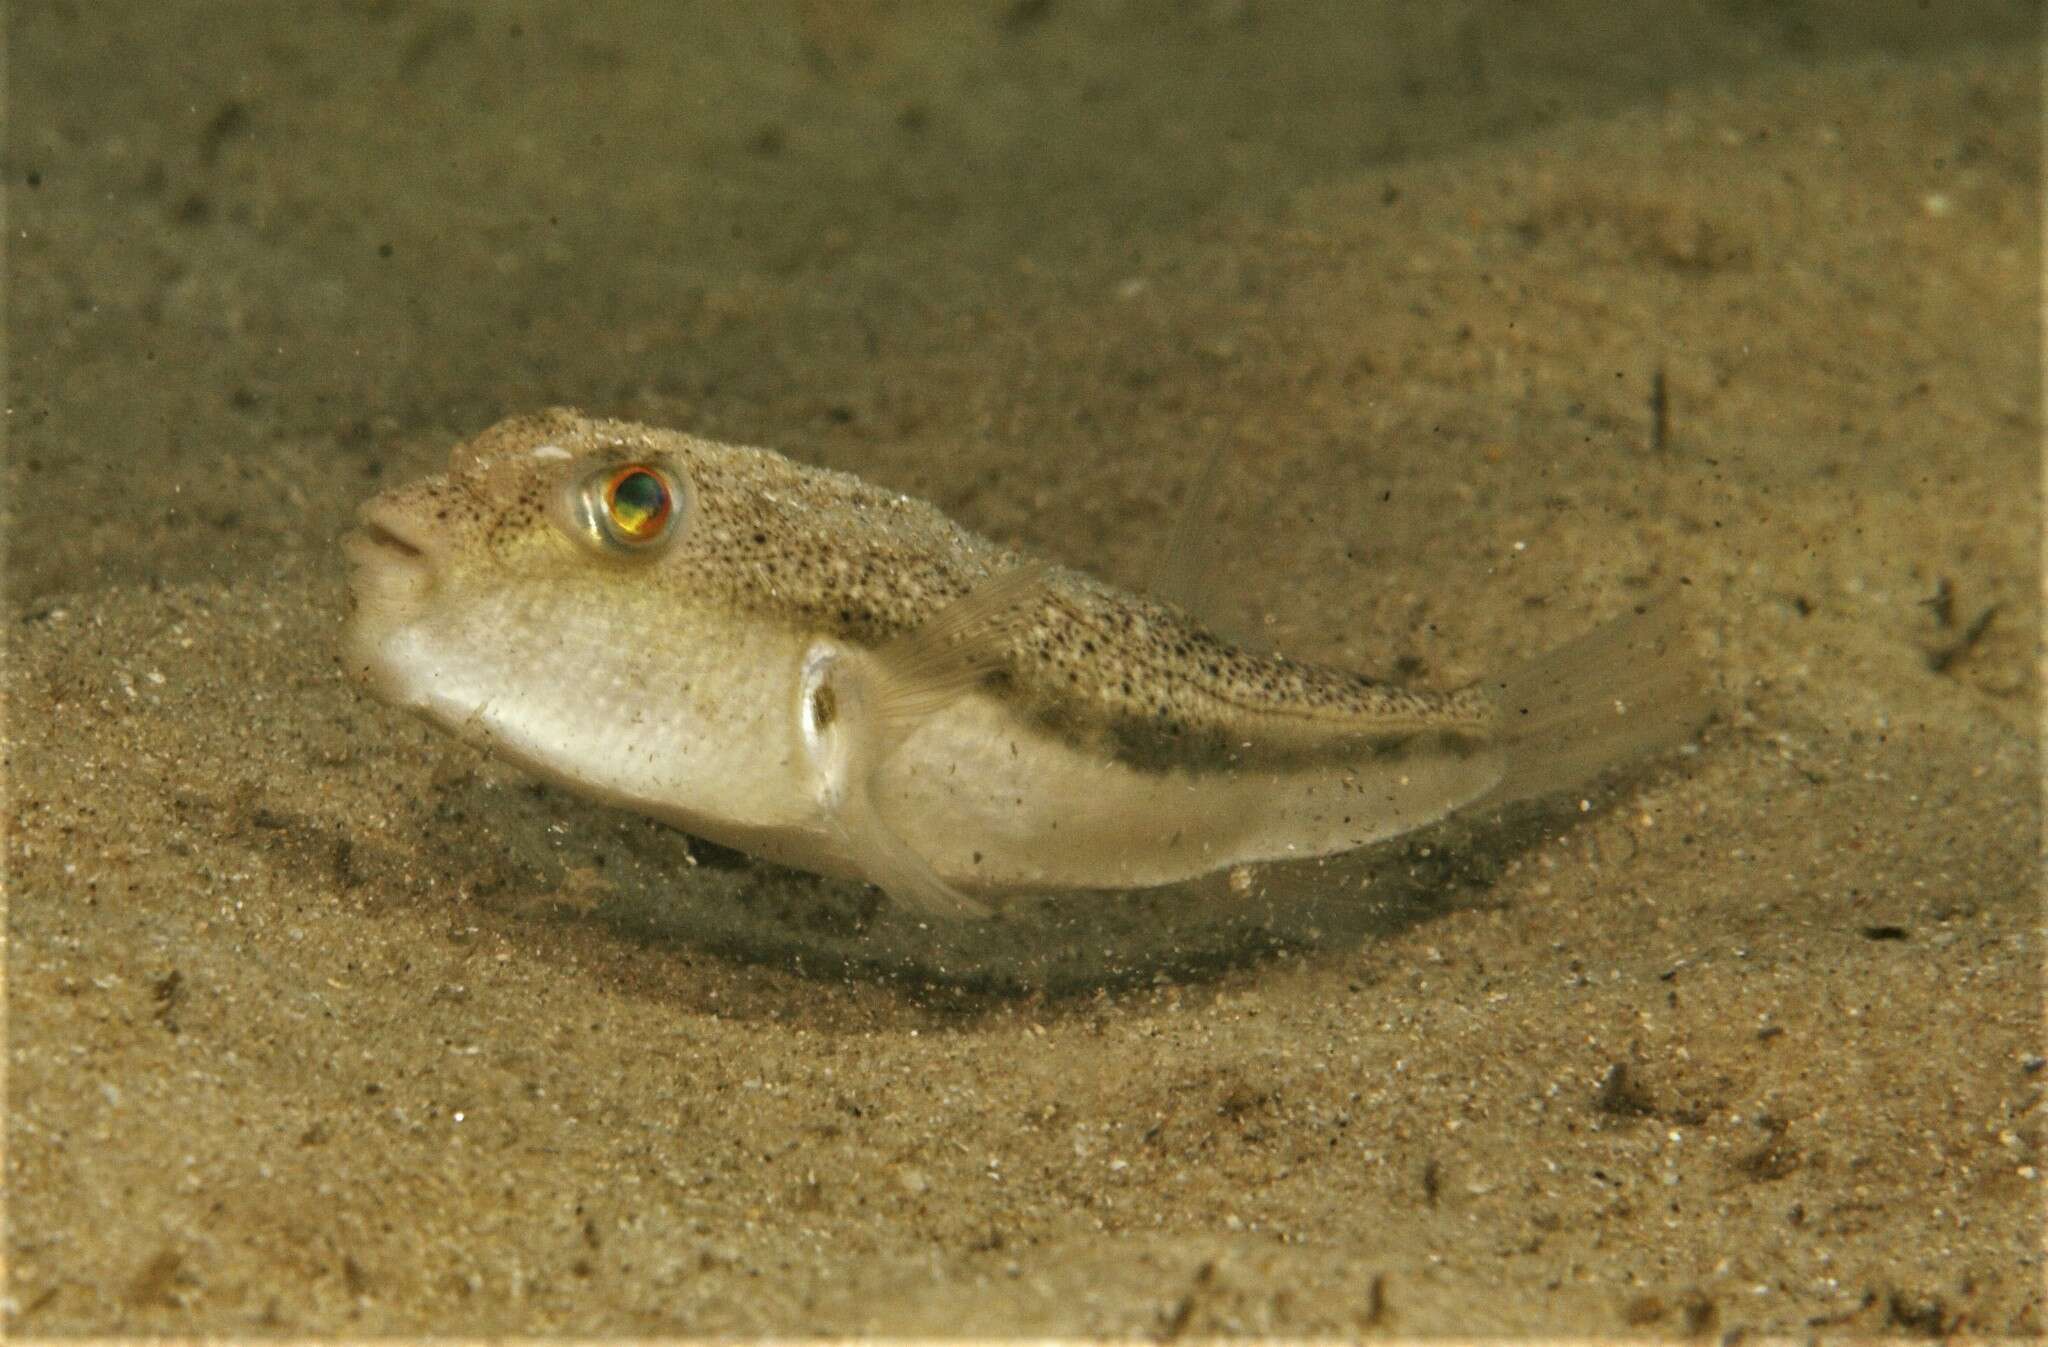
point(1623, 690)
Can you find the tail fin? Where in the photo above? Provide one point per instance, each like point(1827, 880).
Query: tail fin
point(1623, 690)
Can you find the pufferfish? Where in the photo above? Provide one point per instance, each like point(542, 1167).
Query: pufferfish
point(801, 665)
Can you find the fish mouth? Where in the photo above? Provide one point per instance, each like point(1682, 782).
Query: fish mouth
point(379, 539)
point(391, 574)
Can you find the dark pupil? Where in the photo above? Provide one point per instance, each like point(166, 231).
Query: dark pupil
point(639, 496)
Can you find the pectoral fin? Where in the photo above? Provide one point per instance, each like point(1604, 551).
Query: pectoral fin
point(889, 863)
point(923, 670)
point(859, 707)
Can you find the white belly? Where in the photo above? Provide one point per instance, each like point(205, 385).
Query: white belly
point(992, 803)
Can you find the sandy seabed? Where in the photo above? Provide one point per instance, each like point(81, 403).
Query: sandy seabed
point(320, 1023)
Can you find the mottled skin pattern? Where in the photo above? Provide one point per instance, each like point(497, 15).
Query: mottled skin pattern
point(828, 552)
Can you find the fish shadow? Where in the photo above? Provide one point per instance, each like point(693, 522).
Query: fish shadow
point(560, 858)
point(646, 884)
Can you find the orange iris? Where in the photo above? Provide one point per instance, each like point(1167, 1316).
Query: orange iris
point(638, 504)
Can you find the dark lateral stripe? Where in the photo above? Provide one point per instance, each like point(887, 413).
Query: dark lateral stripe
point(1164, 746)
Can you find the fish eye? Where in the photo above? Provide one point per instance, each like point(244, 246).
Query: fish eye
point(636, 505)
